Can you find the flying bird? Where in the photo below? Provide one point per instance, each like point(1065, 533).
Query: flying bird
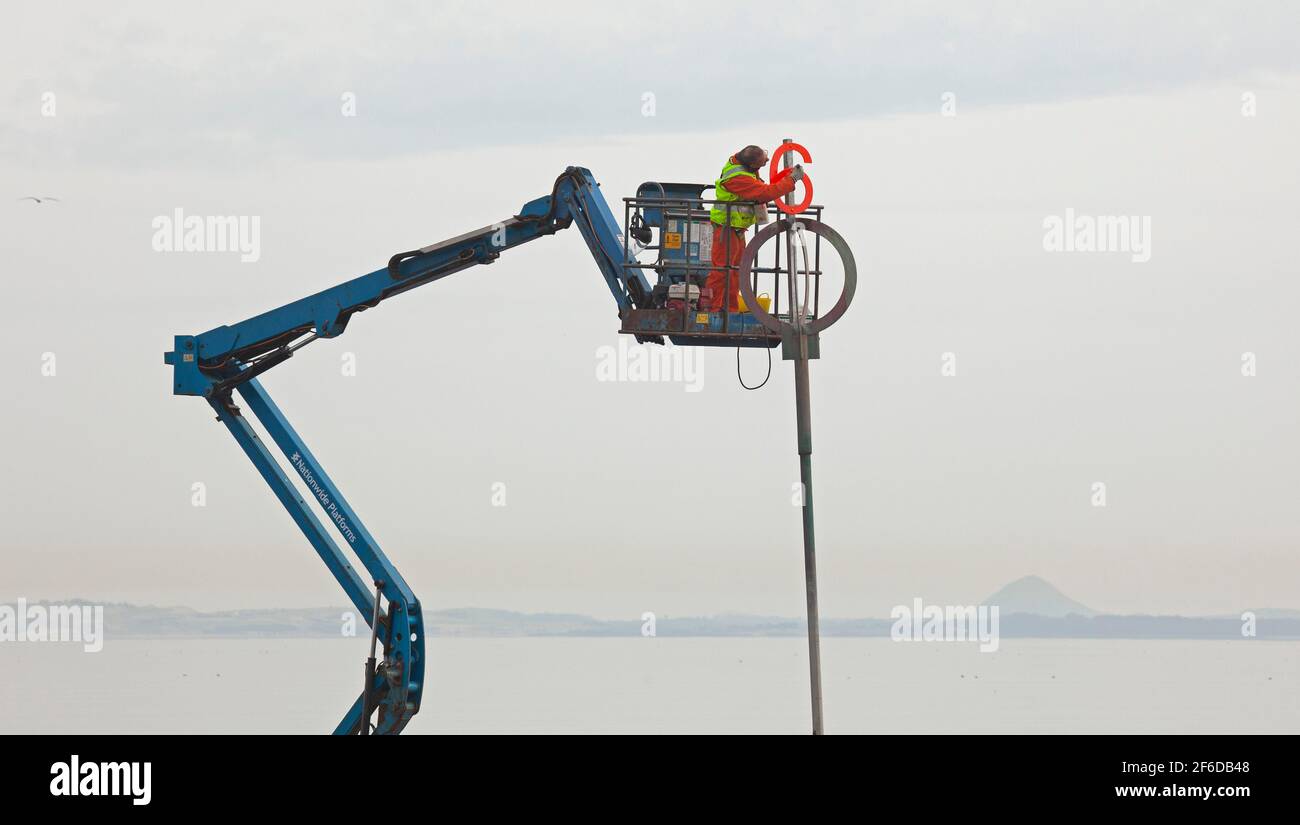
point(41, 199)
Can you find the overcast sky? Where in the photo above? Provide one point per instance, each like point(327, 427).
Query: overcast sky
point(622, 497)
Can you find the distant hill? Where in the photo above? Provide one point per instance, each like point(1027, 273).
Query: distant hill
point(1029, 608)
point(1035, 596)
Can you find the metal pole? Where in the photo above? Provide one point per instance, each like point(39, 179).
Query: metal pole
point(368, 690)
point(801, 399)
point(786, 162)
point(803, 416)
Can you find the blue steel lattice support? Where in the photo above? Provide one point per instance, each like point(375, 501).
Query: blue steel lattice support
point(403, 637)
point(315, 532)
point(226, 359)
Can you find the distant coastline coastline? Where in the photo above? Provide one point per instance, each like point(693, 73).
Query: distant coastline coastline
point(126, 621)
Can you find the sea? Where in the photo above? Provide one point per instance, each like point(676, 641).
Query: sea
point(732, 685)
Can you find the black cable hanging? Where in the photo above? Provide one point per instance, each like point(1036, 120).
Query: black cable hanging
point(741, 378)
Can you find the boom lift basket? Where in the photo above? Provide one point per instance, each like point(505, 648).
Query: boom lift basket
point(671, 220)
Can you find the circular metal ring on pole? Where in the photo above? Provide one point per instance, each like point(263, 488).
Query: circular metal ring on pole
point(817, 228)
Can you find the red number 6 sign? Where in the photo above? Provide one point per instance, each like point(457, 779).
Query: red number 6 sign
point(775, 175)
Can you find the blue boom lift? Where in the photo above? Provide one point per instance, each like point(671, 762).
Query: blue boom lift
point(227, 360)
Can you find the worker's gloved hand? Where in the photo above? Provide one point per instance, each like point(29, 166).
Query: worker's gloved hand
point(796, 173)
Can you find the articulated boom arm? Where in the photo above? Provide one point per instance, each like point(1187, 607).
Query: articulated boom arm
point(221, 358)
point(228, 359)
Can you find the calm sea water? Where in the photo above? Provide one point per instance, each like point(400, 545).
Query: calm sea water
point(733, 685)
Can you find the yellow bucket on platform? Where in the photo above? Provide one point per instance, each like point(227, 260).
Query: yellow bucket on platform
point(764, 301)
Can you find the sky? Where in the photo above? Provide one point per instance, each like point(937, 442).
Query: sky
point(943, 137)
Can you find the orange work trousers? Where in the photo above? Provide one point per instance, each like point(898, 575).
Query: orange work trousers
point(728, 249)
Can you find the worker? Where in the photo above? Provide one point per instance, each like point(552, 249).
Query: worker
point(740, 185)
